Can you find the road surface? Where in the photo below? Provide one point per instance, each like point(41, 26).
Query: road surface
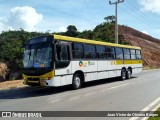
point(105, 95)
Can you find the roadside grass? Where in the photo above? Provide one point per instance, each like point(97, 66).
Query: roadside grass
point(156, 118)
point(150, 67)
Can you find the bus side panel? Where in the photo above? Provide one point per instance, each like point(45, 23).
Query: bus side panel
point(137, 66)
point(112, 67)
point(120, 64)
point(54, 81)
point(64, 75)
point(128, 63)
point(102, 69)
point(89, 68)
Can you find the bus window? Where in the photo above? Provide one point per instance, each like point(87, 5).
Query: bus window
point(133, 54)
point(63, 58)
point(90, 52)
point(77, 50)
point(119, 53)
point(110, 53)
point(127, 54)
point(101, 51)
point(138, 55)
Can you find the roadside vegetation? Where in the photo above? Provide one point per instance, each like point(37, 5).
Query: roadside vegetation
point(11, 42)
point(156, 118)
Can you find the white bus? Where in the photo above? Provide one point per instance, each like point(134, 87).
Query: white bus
point(57, 60)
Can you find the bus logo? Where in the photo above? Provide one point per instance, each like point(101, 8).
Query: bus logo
point(81, 64)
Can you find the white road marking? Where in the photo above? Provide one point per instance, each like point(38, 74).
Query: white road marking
point(89, 94)
point(156, 108)
point(55, 100)
point(148, 107)
point(103, 90)
point(59, 95)
point(74, 98)
point(151, 105)
point(119, 86)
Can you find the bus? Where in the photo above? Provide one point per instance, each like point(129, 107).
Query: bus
point(56, 60)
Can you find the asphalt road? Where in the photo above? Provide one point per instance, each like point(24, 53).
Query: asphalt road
point(104, 95)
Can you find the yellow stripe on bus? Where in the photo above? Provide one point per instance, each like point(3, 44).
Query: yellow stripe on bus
point(120, 62)
point(72, 39)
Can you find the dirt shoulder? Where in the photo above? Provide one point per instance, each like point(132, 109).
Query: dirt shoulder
point(11, 84)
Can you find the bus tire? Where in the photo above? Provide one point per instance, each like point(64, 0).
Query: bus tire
point(123, 74)
point(76, 82)
point(128, 74)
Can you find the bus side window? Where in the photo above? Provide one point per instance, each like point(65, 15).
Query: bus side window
point(101, 52)
point(138, 55)
point(77, 50)
point(110, 53)
point(133, 54)
point(63, 57)
point(127, 54)
point(90, 51)
point(119, 53)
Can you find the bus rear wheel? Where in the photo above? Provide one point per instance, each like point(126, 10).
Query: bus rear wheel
point(123, 74)
point(77, 82)
point(129, 74)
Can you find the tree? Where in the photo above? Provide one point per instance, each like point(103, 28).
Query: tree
point(87, 34)
point(104, 32)
point(110, 19)
point(71, 31)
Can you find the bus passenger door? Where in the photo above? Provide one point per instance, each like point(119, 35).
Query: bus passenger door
point(62, 64)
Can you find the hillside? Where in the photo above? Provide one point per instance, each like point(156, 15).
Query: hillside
point(11, 55)
point(150, 46)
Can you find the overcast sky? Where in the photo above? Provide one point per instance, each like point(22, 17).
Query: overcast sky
point(56, 15)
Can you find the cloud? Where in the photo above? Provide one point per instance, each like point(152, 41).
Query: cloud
point(62, 29)
point(145, 32)
point(21, 17)
point(150, 5)
point(157, 30)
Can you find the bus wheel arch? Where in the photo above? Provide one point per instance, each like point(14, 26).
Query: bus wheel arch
point(78, 79)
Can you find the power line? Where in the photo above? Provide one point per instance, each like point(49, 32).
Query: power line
point(68, 14)
point(149, 18)
point(131, 14)
point(75, 16)
point(141, 17)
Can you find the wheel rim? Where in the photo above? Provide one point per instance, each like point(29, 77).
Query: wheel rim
point(129, 74)
point(77, 81)
point(123, 75)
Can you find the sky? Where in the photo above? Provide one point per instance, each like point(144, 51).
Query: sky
point(56, 15)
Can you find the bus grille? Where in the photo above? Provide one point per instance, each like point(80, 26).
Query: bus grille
point(33, 79)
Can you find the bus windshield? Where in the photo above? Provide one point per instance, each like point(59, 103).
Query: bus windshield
point(38, 55)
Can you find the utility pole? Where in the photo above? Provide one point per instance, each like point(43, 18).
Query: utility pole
point(116, 18)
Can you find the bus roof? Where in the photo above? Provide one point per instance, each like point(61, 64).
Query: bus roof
point(73, 39)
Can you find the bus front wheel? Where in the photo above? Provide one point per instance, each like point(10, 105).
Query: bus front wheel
point(77, 82)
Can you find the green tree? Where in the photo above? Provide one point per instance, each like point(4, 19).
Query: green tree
point(104, 32)
point(71, 31)
point(87, 34)
point(110, 19)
